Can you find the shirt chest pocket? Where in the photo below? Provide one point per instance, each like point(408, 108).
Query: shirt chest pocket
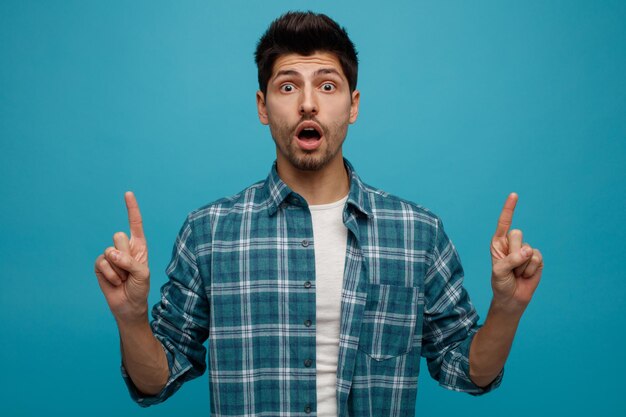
point(389, 320)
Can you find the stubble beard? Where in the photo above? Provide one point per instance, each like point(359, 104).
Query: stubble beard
point(284, 138)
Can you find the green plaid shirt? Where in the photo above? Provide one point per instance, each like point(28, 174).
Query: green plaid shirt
point(243, 275)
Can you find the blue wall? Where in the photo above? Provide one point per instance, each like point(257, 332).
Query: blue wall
point(462, 102)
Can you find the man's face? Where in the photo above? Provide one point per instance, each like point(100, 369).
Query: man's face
point(308, 107)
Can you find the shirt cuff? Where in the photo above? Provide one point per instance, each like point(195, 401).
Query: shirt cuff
point(178, 366)
point(460, 369)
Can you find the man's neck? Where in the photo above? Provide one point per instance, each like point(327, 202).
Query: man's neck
point(323, 186)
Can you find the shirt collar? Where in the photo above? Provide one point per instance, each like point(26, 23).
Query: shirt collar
point(277, 191)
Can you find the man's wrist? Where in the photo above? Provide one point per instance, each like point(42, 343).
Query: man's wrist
point(506, 304)
point(505, 313)
point(135, 320)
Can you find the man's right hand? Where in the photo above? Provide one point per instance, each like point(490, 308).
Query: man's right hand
point(122, 270)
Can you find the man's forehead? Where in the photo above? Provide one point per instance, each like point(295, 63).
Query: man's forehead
point(307, 63)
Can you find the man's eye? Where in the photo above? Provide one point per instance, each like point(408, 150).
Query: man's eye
point(328, 87)
point(287, 88)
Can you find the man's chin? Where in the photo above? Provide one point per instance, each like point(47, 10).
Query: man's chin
point(309, 163)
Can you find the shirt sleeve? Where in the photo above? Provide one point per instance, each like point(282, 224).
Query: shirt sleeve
point(450, 320)
point(180, 320)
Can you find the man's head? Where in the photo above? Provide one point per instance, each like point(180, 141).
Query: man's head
point(304, 33)
point(308, 97)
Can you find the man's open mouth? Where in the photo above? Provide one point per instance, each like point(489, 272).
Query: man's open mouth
point(309, 133)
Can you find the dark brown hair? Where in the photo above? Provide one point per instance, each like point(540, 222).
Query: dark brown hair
point(305, 33)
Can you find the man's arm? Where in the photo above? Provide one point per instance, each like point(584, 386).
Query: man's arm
point(143, 357)
point(516, 271)
point(491, 345)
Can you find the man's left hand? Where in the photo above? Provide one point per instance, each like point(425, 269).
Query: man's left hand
point(516, 266)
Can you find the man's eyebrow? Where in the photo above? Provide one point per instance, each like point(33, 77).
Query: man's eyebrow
point(294, 73)
point(325, 71)
point(282, 73)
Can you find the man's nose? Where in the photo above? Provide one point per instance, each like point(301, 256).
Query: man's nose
point(308, 102)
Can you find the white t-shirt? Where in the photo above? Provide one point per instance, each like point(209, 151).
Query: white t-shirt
point(330, 239)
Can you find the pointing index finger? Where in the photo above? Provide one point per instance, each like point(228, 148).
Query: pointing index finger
point(134, 215)
point(506, 217)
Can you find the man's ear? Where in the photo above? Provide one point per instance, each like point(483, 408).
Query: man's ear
point(261, 108)
point(354, 106)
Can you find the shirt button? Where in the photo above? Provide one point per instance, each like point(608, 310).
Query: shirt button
point(308, 363)
point(307, 284)
point(307, 409)
point(307, 323)
point(305, 243)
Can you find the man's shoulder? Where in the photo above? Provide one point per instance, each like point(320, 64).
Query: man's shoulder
point(252, 197)
point(389, 206)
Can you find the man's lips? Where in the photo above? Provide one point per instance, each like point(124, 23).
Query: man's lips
point(309, 144)
point(308, 124)
point(308, 139)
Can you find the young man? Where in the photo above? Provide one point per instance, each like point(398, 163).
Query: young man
point(318, 293)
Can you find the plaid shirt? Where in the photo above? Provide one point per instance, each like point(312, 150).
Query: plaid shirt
point(243, 275)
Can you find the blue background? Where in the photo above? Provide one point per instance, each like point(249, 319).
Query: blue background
point(462, 102)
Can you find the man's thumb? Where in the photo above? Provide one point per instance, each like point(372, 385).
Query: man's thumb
point(513, 260)
point(126, 262)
